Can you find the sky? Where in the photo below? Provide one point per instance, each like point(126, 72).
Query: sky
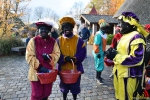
point(61, 7)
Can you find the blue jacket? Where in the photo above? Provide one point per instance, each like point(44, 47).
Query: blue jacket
point(85, 33)
point(27, 40)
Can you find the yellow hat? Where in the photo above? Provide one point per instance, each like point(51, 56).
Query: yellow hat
point(67, 20)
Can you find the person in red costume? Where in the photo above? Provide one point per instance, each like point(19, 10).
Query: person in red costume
point(116, 38)
point(42, 54)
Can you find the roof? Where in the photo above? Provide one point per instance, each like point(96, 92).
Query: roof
point(139, 7)
point(93, 18)
point(93, 11)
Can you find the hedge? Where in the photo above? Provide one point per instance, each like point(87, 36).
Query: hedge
point(7, 43)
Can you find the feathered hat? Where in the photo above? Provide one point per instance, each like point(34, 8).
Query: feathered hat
point(46, 22)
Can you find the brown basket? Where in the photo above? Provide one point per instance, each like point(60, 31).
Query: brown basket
point(46, 78)
point(70, 76)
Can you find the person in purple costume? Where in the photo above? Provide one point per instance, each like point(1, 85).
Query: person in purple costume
point(72, 48)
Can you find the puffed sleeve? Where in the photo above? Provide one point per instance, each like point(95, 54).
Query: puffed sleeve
point(30, 55)
point(55, 54)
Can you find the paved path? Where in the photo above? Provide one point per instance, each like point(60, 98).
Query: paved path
point(14, 84)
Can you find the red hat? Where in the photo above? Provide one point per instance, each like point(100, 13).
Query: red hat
point(39, 24)
point(108, 62)
point(45, 22)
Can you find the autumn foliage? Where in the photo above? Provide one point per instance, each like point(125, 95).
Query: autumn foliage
point(105, 7)
point(9, 16)
point(114, 5)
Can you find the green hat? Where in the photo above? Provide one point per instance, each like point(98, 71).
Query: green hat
point(103, 23)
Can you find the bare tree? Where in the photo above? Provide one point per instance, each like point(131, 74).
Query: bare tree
point(27, 15)
point(76, 10)
point(77, 7)
point(54, 16)
point(48, 12)
point(69, 13)
point(38, 13)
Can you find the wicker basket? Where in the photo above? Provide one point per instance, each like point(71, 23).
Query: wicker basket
point(69, 76)
point(46, 78)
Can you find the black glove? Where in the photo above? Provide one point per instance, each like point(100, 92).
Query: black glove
point(73, 59)
point(109, 51)
point(46, 56)
point(67, 59)
point(98, 56)
point(111, 54)
point(43, 70)
point(105, 53)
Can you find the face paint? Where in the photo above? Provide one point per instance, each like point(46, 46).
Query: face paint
point(44, 32)
point(68, 30)
point(124, 27)
point(105, 29)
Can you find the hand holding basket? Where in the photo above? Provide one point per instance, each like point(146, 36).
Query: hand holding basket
point(70, 76)
point(46, 78)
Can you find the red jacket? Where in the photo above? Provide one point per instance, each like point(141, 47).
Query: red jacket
point(115, 40)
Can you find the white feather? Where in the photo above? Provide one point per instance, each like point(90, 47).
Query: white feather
point(49, 22)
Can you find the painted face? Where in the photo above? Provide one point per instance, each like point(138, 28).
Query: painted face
point(44, 32)
point(124, 27)
point(68, 30)
point(105, 29)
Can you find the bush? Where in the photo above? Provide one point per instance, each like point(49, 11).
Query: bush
point(7, 43)
point(109, 38)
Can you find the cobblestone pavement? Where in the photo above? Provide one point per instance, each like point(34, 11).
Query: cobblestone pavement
point(14, 84)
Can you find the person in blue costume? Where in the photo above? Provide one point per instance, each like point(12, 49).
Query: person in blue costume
point(99, 47)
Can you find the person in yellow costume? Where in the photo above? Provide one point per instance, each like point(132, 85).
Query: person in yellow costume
point(129, 56)
point(72, 48)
